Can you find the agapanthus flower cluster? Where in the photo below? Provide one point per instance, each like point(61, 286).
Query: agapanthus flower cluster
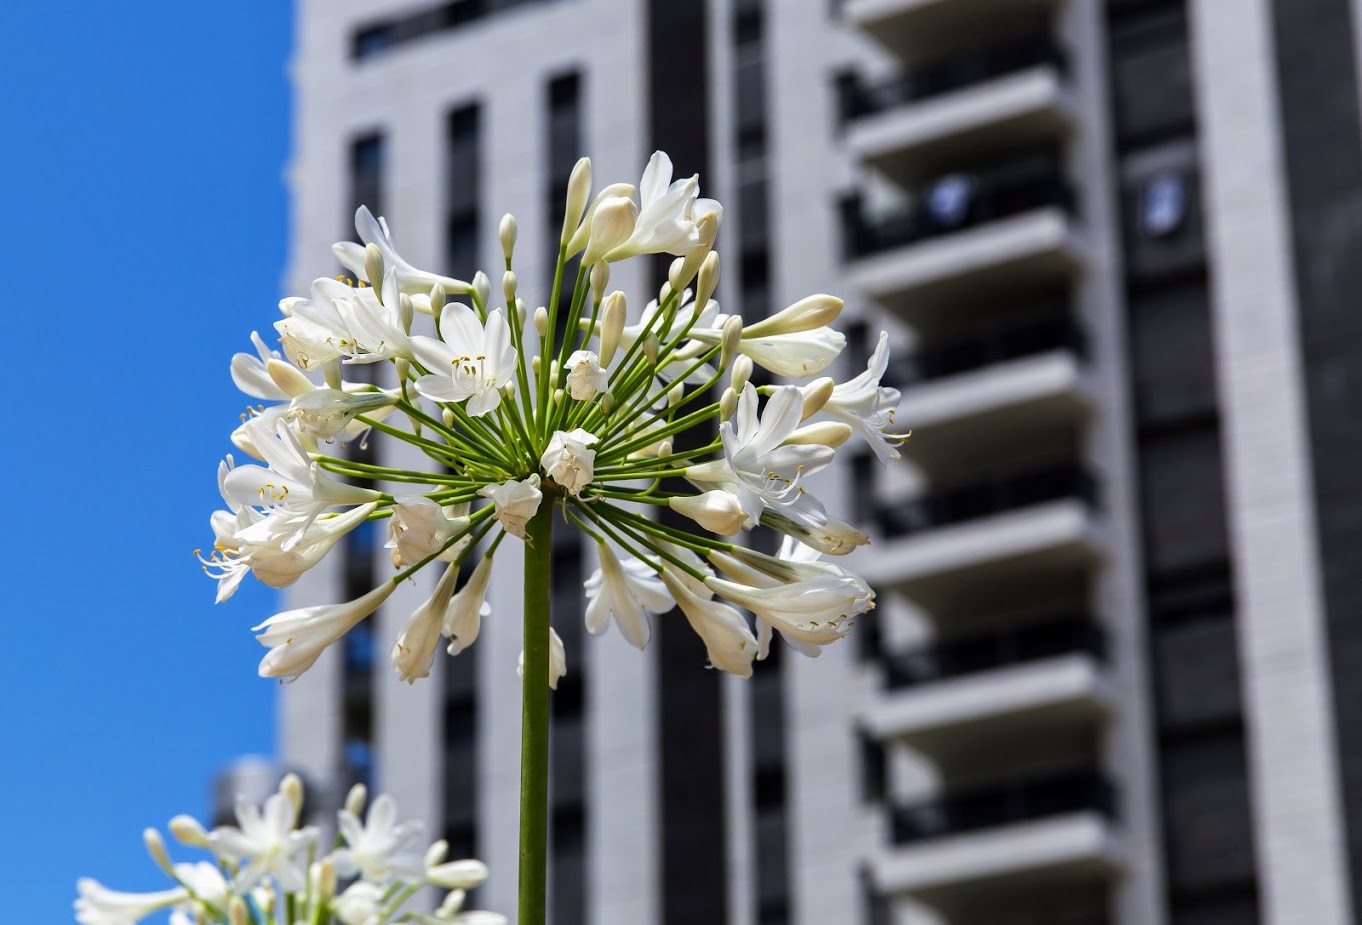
point(597, 405)
point(267, 869)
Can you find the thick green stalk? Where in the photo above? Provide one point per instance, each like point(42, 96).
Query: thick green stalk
point(534, 717)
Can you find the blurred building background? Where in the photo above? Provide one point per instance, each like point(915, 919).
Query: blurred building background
point(1114, 675)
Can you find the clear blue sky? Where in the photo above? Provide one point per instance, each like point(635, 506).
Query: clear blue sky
point(141, 165)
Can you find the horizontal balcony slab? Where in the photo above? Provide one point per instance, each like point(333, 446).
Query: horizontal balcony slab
point(1022, 252)
point(966, 415)
point(916, 141)
point(915, 27)
point(949, 871)
point(937, 566)
point(954, 715)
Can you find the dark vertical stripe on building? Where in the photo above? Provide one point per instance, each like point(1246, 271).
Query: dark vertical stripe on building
point(1322, 142)
point(690, 732)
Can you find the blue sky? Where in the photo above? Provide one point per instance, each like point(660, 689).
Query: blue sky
point(142, 158)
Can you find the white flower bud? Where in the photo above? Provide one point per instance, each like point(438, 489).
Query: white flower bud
point(541, 320)
point(438, 296)
point(406, 312)
point(816, 395)
point(675, 394)
point(824, 433)
point(674, 274)
point(650, 348)
point(373, 268)
point(664, 449)
point(611, 226)
point(288, 377)
point(536, 364)
point(156, 847)
point(808, 313)
point(740, 372)
point(331, 372)
point(578, 192)
point(354, 800)
point(585, 376)
point(509, 282)
point(436, 853)
point(326, 880)
point(559, 395)
point(664, 294)
point(292, 787)
point(613, 314)
point(600, 278)
point(582, 235)
point(728, 403)
point(447, 416)
point(569, 459)
point(506, 231)
point(728, 345)
point(707, 280)
point(482, 288)
point(717, 511)
point(607, 403)
point(189, 831)
point(237, 913)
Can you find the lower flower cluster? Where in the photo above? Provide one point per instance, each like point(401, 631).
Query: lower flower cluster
point(266, 870)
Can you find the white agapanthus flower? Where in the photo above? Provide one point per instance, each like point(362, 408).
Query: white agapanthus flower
point(601, 416)
point(271, 865)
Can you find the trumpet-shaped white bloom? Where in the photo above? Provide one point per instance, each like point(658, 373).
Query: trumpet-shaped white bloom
point(585, 377)
point(419, 528)
point(718, 511)
point(414, 650)
point(665, 224)
point(413, 282)
point(267, 841)
point(557, 660)
point(757, 468)
point(868, 406)
point(99, 905)
point(625, 589)
point(831, 537)
point(463, 616)
point(516, 502)
point(472, 362)
point(324, 413)
point(297, 638)
point(251, 375)
point(728, 639)
point(808, 602)
point(569, 459)
point(380, 849)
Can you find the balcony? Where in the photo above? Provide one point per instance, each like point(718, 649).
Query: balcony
point(968, 396)
point(994, 840)
point(1000, 648)
point(915, 27)
point(965, 236)
point(1009, 96)
point(1027, 524)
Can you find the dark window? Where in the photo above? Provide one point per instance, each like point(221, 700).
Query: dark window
point(1152, 77)
point(1207, 816)
point(462, 176)
point(873, 776)
point(1183, 498)
point(568, 848)
point(367, 155)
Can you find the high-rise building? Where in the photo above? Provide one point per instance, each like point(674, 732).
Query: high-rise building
point(1113, 677)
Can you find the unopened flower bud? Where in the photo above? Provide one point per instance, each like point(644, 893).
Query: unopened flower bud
point(156, 847)
point(650, 348)
point(740, 372)
point(613, 313)
point(536, 364)
point(237, 913)
point(728, 403)
point(600, 278)
point(406, 312)
point(326, 880)
point(506, 231)
point(582, 234)
point(541, 320)
point(482, 288)
point(437, 299)
point(447, 416)
point(674, 274)
point(288, 377)
point(675, 394)
point(707, 280)
point(373, 268)
point(728, 345)
point(816, 395)
point(611, 226)
point(354, 800)
point(508, 390)
point(437, 853)
point(664, 294)
point(402, 367)
point(607, 403)
point(814, 311)
point(717, 511)
point(664, 449)
point(292, 787)
point(559, 396)
point(824, 433)
point(578, 192)
point(188, 831)
point(331, 372)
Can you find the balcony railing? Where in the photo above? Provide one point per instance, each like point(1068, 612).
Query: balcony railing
point(382, 36)
point(955, 202)
point(857, 100)
point(985, 498)
point(985, 652)
point(986, 348)
point(1004, 804)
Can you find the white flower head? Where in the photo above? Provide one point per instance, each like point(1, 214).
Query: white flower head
point(361, 903)
point(624, 588)
point(463, 616)
point(471, 362)
point(727, 637)
point(868, 406)
point(515, 501)
point(569, 459)
point(297, 638)
point(585, 377)
point(324, 413)
point(381, 849)
point(413, 282)
point(419, 528)
point(267, 841)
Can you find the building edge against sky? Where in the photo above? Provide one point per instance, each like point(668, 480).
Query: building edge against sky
point(1111, 679)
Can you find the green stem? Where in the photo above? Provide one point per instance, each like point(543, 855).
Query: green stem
point(534, 717)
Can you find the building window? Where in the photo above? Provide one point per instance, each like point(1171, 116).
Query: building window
point(463, 174)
